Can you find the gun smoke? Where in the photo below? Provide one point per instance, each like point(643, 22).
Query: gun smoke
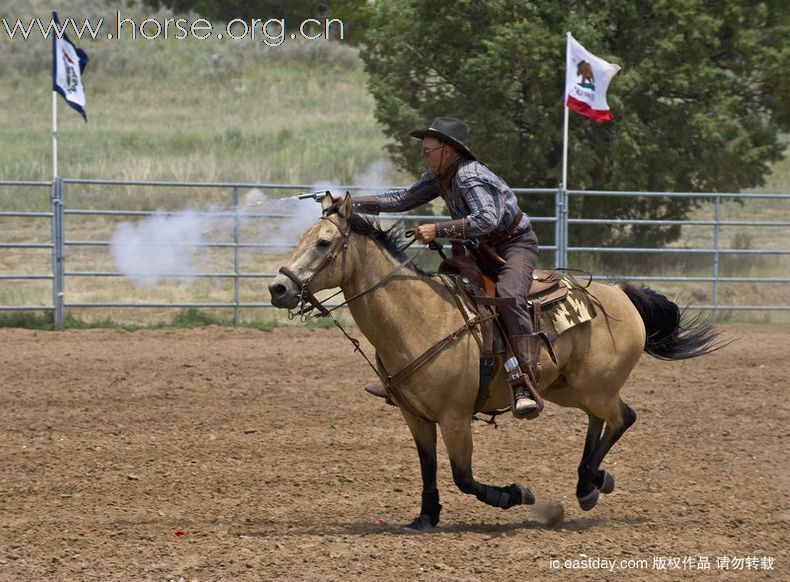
point(168, 245)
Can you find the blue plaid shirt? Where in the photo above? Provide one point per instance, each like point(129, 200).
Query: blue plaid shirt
point(476, 193)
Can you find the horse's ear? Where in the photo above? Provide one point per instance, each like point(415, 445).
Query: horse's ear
point(345, 206)
point(326, 201)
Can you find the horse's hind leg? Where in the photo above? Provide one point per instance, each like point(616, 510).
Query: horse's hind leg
point(457, 435)
point(585, 487)
point(424, 435)
point(592, 479)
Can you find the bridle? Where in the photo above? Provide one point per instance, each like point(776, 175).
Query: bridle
point(308, 301)
point(307, 296)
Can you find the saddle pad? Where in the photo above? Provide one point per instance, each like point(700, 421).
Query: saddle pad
point(576, 308)
point(560, 316)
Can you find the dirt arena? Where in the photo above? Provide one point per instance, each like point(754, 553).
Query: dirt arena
point(234, 454)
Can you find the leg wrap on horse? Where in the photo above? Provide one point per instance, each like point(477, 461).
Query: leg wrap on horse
point(431, 506)
point(504, 497)
point(429, 513)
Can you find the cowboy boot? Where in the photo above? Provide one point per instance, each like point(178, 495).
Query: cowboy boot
point(526, 400)
point(377, 389)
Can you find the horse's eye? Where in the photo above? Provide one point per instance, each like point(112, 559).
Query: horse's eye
point(323, 243)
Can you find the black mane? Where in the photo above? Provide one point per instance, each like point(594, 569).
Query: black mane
point(389, 239)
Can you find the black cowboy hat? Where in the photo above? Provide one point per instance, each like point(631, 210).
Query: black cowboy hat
point(450, 131)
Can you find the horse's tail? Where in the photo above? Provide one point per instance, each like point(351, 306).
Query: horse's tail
point(670, 335)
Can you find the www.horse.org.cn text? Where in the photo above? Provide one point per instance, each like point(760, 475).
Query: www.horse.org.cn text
point(270, 31)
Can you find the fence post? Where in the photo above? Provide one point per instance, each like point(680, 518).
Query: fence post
point(58, 255)
point(561, 227)
point(716, 244)
point(236, 258)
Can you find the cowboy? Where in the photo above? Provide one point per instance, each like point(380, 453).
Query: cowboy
point(483, 209)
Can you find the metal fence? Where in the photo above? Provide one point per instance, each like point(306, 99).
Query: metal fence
point(60, 209)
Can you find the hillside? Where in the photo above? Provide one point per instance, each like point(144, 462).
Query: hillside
point(213, 110)
point(240, 111)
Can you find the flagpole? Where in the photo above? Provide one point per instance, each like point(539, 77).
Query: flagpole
point(565, 150)
point(565, 121)
point(54, 104)
point(54, 135)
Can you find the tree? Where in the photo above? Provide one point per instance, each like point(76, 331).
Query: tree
point(698, 104)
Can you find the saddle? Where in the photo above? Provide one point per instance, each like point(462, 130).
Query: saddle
point(475, 292)
point(548, 287)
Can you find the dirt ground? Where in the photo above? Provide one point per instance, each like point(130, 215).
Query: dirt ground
point(234, 454)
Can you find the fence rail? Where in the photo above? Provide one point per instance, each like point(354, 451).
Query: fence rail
point(58, 242)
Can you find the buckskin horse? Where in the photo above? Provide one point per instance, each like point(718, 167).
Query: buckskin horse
point(403, 312)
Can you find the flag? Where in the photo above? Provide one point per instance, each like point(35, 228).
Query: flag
point(587, 79)
point(68, 63)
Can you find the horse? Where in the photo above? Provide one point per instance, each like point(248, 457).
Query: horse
point(403, 311)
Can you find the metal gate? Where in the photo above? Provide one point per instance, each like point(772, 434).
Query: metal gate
point(61, 210)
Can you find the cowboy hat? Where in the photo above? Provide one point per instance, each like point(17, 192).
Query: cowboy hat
point(448, 130)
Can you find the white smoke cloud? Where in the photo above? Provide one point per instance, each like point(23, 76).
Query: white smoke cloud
point(165, 245)
point(298, 215)
point(162, 244)
point(375, 175)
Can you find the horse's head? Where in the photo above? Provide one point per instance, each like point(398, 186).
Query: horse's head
point(316, 263)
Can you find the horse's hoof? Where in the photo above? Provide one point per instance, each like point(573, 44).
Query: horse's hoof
point(588, 501)
point(527, 497)
point(607, 482)
point(420, 524)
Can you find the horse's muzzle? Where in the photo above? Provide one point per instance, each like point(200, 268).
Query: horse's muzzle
point(284, 293)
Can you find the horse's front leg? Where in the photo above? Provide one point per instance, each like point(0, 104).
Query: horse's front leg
point(457, 435)
point(424, 434)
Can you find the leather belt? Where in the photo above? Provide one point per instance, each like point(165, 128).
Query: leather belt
point(501, 236)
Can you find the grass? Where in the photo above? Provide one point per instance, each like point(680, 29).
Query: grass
point(190, 110)
point(237, 112)
point(183, 319)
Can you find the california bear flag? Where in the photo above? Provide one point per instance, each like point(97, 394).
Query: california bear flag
point(587, 78)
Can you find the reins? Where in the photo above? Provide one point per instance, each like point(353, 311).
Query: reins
point(307, 297)
point(308, 301)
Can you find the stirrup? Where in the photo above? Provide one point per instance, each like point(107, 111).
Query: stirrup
point(377, 389)
point(526, 395)
point(524, 403)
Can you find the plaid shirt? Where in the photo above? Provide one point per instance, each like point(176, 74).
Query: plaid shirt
point(476, 193)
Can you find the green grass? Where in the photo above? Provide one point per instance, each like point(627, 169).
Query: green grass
point(236, 112)
point(190, 110)
point(183, 319)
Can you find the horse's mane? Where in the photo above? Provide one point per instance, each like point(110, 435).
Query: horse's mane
point(389, 239)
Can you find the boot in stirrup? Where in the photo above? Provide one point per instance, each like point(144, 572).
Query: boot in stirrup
point(377, 389)
point(524, 376)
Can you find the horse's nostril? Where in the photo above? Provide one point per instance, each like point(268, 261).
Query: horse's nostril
point(277, 290)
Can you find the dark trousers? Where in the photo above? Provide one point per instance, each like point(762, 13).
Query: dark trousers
point(514, 279)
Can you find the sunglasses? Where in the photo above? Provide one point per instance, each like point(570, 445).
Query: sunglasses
point(425, 152)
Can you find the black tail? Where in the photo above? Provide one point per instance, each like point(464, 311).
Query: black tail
point(670, 335)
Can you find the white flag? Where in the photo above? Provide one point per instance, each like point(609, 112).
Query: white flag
point(587, 79)
point(68, 63)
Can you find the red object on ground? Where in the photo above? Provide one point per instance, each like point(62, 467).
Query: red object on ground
point(179, 533)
